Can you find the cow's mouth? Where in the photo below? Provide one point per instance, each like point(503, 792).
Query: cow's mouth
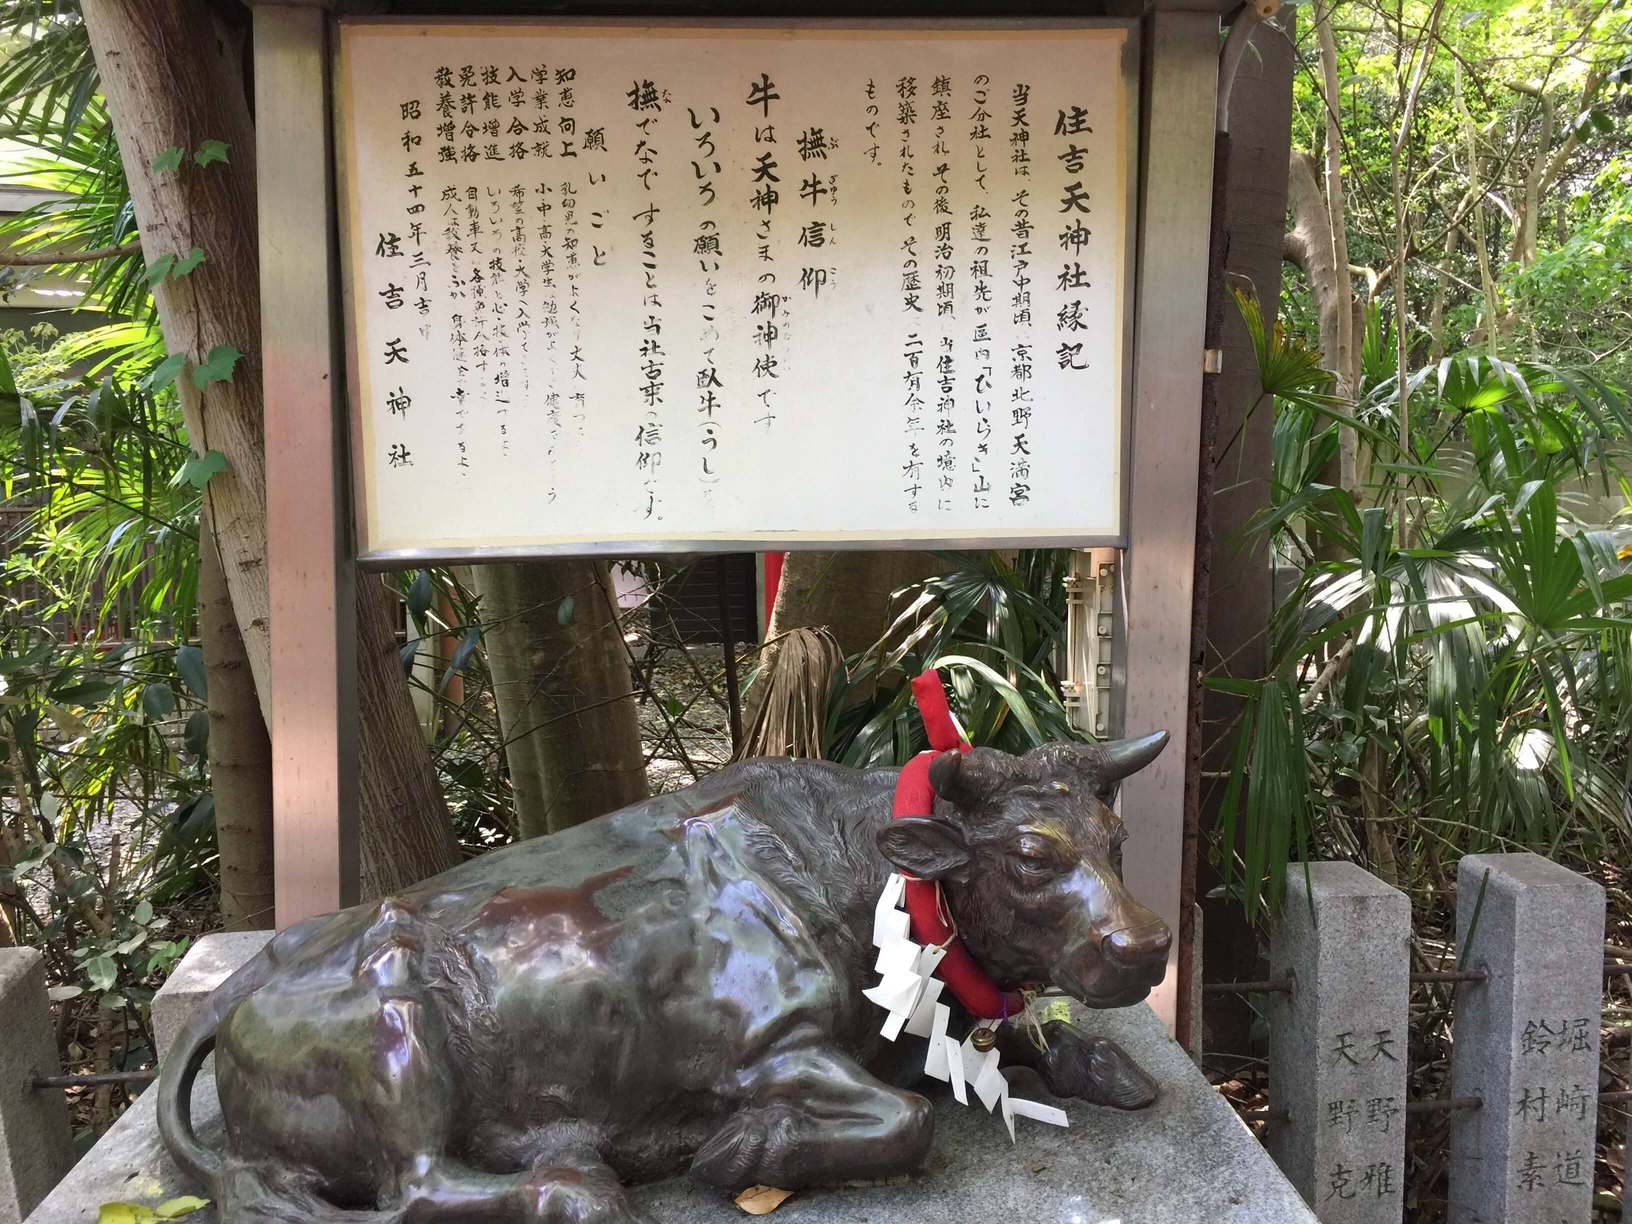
point(1106, 995)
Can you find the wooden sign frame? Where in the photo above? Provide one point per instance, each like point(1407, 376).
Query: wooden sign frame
point(372, 554)
point(312, 558)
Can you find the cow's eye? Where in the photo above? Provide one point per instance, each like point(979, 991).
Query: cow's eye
point(1036, 853)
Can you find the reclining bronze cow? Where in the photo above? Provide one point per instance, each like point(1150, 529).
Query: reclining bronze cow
point(673, 987)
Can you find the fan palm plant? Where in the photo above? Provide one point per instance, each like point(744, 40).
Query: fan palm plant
point(1449, 670)
point(993, 626)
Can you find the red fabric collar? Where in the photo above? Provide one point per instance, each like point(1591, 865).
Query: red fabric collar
point(971, 985)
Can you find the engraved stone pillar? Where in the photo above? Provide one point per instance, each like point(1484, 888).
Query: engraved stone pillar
point(1526, 1041)
point(1337, 1050)
point(36, 1144)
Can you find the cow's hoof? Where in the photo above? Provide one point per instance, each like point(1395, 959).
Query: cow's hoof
point(1095, 1070)
point(748, 1150)
point(1114, 1079)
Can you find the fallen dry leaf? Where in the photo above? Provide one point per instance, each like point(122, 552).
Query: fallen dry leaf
point(761, 1200)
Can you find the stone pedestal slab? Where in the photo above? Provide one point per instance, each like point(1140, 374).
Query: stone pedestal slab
point(1186, 1159)
point(208, 963)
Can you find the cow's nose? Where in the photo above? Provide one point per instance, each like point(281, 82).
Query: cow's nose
point(1139, 945)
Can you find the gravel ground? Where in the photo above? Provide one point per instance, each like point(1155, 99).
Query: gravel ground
point(688, 707)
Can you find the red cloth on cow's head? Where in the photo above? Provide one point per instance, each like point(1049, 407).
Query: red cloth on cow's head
point(971, 985)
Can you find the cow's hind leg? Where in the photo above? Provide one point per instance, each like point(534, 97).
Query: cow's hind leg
point(578, 1189)
point(813, 1115)
point(261, 1193)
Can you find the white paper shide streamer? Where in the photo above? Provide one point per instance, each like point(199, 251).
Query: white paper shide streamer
point(910, 992)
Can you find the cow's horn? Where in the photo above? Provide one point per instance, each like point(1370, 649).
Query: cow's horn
point(948, 778)
point(1119, 758)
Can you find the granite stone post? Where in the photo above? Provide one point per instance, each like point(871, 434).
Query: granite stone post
point(208, 963)
point(36, 1143)
point(1526, 1041)
point(1337, 1047)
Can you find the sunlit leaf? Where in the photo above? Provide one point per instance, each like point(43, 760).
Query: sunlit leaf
point(217, 367)
point(210, 151)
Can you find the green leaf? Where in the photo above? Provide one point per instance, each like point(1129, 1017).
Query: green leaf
point(102, 971)
point(160, 268)
point(1010, 695)
point(564, 613)
point(175, 1208)
point(70, 727)
point(467, 647)
point(188, 821)
point(217, 367)
point(169, 160)
point(211, 151)
point(85, 694)
point(165, 373)
point(143, 913)
point(127, 946)
point(8, 381)
point(158, 699)
point(61, 994)
point(419, 594)
point(197, 734)
point(185, 264)
point(197, 471)
point(190, 667)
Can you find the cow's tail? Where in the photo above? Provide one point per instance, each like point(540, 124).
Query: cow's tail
point(194, 1044)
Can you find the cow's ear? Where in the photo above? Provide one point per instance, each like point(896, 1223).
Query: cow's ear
point(926, 849)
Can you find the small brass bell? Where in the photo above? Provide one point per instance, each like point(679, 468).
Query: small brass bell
point(983, 1039)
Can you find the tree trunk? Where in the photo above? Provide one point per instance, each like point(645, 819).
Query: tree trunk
point(1442, 285)
point(561, 681)
point(1548, 165)
point(846, 593)
point(171, 81)
point(1476, 218)
point(1309, 244)
point(1344, 357)
point(1529, 221)
point(240, 754)
point(1240, 578)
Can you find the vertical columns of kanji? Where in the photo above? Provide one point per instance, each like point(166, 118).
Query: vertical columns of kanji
point(706, 247)
point(769, 311)
point(1526, 1041)
point(1071, 285)
point(983, 366)
point(1020, 258)
point(406, 289)
point(1337, 1052)
point(912, 299)
point(943, 249)
point(646, 100)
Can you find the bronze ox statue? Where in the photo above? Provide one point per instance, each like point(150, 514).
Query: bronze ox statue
point(673, 987)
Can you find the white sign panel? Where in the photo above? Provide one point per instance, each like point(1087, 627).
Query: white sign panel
point(617, 287)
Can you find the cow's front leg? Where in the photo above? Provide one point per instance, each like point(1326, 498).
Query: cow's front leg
point(1091, 1069)
point(812, 1115)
